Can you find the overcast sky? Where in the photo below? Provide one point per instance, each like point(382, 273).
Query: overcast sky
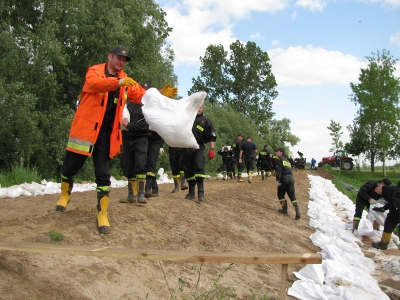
point(316, 47)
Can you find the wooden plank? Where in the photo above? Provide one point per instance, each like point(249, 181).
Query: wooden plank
point(284, 269)
point(187, 256)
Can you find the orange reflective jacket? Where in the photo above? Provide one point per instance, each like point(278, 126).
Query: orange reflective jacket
point(89, 116)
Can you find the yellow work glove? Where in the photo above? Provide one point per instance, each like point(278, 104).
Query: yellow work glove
point(169, 91)
point(127, 81)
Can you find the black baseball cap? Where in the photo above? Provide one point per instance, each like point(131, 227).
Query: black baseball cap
point(281, 150)
point(387, 181)
point(121, 51)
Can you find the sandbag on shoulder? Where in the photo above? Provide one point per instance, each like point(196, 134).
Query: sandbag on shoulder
point(172, 119)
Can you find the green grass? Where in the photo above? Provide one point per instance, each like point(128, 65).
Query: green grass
point(55, 236)
point(19, 175)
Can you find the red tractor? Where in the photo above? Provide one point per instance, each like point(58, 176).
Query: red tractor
point(340, 159)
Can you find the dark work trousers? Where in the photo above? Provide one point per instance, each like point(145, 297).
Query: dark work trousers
point(360, 204)
point(193, 162)
point(73, 162)
point(392, 219)
point(265, 165)
point(240, 166)
point(227, 165)
point(175, 160)
point(134, 156)
point(249, 161)
point(287, 186)
point(153, 152)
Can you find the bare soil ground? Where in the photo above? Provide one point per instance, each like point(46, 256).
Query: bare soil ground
point(235, 217)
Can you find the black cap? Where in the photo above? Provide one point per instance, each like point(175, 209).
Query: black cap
point(387, 181)
point(121, 51)
point(281, 150)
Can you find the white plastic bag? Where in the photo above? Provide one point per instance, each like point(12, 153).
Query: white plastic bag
point(173, 119)
point(127, 115)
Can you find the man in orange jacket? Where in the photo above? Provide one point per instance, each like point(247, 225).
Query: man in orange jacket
point(96, 128)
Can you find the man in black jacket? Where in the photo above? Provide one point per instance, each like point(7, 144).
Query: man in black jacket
point(285, 182)
point(193, 159)
point(392, 196)
point(264, 161)
point(367, 194)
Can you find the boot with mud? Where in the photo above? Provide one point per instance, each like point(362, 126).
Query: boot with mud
point(283, 210)
point(200, 189)
point(149, 183)
point(383, 244)
point(131, 193)
point(154, 188)
point(234, 175)
point(102, 206)
point(250, 178)
point(141, 199)
point(297, 209)
point(224, 175)
point(262, 175)
point(184, 185)
point(192, 190)
point(230, 176)
point(66, 189)
point(177, 183)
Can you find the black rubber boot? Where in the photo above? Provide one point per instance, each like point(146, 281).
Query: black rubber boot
point(66, 188)
point(176, 187)
point(140, 197)
point(297, 209)
point(200, 190)
point(283, 210)
point(184, 185)
point(149, 183)
point(154, 188)
point(262, 175)
point(192, 190)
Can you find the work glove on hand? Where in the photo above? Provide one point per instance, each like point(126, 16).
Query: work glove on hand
point(127, 81)
point(379, 209)
point(169, 91)
point(278, 183)
point(211, 154)
point(240, 160)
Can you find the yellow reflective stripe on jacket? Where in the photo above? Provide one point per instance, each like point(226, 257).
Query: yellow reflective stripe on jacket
point(285, 163)
point(200, 128)
point(80, 145)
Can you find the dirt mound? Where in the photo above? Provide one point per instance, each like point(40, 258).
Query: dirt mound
point(235, 217)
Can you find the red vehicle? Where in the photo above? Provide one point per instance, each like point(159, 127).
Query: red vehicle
point(340, 159)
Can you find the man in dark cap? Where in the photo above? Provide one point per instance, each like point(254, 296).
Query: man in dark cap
point(285, 182)
point(96, 128)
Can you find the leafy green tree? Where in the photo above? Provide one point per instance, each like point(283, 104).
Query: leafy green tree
point(45, 50)
point(243, 80)
point(335, 128)
point(377, 98)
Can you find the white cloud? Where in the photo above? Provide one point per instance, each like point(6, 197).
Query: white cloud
point(313, 5)
point(275, 43)
point(386, 3)
point(313, 66)
point(395, 38)
point(255, 35)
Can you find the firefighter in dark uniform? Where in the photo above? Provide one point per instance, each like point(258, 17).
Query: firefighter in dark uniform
point(134, 153)
point(273, 163)
point(178, 173)
point(193, 159)
point(369, 192)
point(392, 196)
point(247, 155)
point(264, 162)
point(285, 182)
point(155, 143)
point(233, 164)
point(237, 146)
point(226, 162)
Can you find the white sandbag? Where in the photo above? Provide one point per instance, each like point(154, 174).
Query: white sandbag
point(172, 119)
point(125, 115)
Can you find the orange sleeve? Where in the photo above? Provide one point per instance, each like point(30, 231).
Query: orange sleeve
point(135, 93)
point(97, 82)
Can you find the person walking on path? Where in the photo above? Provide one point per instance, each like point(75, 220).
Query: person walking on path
point(249, 149)
point(237, 147)
point(193, 159)
point(96, 128)
point(226, 162)
point(264, 161)
point(178, 173)
point(285, 183)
